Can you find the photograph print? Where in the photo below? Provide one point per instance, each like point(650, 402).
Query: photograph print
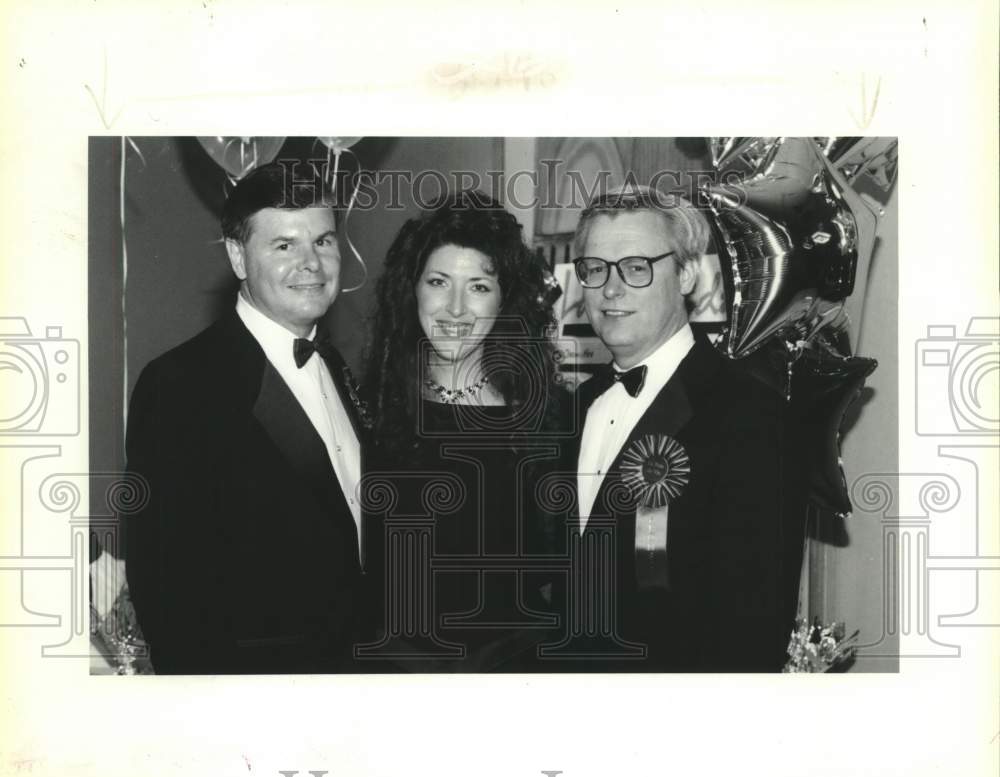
point(491, 405)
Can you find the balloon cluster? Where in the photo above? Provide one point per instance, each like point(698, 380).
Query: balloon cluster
point(237, 156)
point(792, 231)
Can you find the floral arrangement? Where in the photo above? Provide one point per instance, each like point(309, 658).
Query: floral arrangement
point(820, 648)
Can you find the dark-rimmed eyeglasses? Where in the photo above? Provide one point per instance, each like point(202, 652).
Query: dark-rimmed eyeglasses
point(636, 271)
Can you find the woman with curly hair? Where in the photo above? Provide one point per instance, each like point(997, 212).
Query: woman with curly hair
point(462, 383)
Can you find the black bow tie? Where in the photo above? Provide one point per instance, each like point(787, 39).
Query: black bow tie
point(633, 379)
point(302, 349)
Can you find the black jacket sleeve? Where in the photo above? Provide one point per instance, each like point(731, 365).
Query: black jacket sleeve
point(169, 543)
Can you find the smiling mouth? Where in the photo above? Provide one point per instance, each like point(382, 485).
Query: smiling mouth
point(307, 286)
point(617, 313)
point(452, 329)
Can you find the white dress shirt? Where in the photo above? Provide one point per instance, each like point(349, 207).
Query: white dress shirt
point(613, 415)
point(315, 391)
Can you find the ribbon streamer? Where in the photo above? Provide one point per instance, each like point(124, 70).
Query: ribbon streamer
point(651, 568)
point(333, 153)
point(121, 217)
point(347, 214)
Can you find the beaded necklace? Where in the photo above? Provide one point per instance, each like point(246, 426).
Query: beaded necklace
point(449, 396)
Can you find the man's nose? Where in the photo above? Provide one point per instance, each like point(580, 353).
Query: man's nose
point(310, 259)
point(615, 287)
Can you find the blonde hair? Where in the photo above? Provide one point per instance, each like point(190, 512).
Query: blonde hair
point(685, 223)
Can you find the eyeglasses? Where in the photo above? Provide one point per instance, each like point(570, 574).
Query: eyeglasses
point(636, 271)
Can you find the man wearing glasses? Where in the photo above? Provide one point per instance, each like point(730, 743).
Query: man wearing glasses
point(681, 463)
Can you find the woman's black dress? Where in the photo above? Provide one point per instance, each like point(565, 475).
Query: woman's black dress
point(458, 550)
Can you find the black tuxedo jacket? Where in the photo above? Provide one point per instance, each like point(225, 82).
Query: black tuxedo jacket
point(245, 557)
point(735, 532)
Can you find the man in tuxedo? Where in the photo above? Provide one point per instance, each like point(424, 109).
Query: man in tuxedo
point(682, 465)
point(246, 557)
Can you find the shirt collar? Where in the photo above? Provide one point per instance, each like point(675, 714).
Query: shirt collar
point(662, 363)
point(276, 341)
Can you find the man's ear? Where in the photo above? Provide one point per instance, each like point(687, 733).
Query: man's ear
point(688, 276)
point(237, 258)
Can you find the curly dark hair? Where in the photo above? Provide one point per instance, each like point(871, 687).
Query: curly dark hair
point(516, 354)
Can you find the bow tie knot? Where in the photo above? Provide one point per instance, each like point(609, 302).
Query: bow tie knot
point(302, 349)
point(633, 380)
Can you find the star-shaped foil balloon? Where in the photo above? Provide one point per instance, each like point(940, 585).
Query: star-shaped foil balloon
point(793, 233)
point(824, 385)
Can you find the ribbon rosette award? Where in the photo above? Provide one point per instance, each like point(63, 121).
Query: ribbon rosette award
point(655, 468)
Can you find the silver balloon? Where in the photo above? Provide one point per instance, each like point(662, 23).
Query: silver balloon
point(868, 164)
point(239, 155)
point(338, 144)
point(834, 147)
point(789, 236)
point(743, 157)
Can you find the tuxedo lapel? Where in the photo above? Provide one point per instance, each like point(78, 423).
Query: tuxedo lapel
point(271, 402)
point(288, 426)
point(347, 390)
point(668, 414)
